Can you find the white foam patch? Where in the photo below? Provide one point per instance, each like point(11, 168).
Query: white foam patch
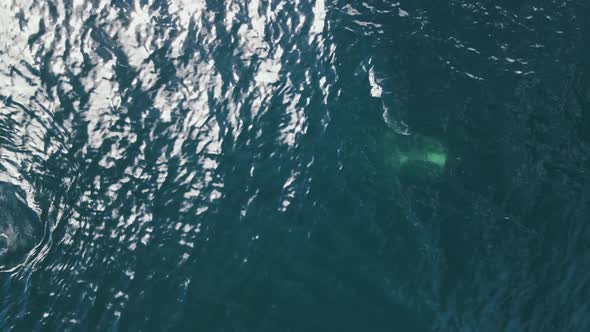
point(376, 89)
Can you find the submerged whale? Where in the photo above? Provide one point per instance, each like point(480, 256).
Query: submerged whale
point(414, 156)
point(20, 227)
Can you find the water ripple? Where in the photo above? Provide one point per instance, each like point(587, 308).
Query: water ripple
point(224, 164)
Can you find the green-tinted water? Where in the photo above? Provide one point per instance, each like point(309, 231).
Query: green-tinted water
point(294, 165)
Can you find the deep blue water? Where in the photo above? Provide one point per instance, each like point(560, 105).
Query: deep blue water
point(197, 165)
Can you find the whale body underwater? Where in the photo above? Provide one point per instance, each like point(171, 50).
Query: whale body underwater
point(20, 226)
point(413, 157)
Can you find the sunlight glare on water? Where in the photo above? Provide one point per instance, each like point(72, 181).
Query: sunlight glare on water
point(307, 165)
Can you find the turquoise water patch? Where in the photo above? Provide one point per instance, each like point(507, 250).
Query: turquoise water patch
point(241, 165)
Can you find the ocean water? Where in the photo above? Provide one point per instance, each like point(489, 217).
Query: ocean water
point(305, 165)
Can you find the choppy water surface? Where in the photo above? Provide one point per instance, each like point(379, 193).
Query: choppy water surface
point(261, 165)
